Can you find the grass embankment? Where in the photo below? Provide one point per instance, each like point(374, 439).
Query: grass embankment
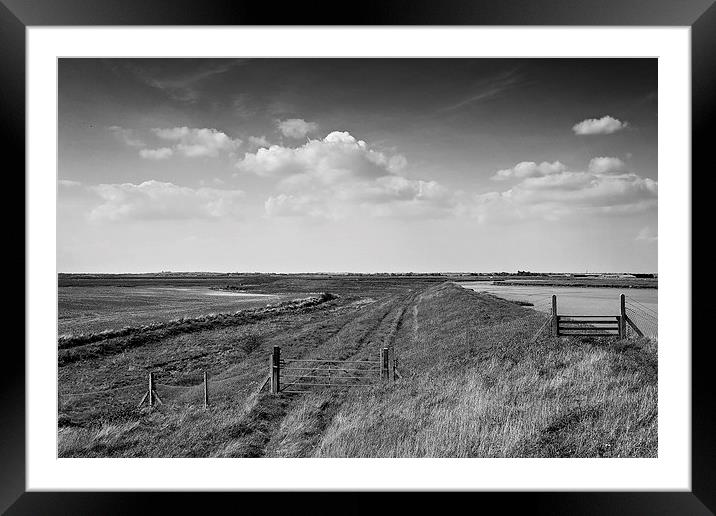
point(474, 384)
point(78, 347)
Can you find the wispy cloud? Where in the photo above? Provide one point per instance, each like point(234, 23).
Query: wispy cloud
point(183, 85)
point(487, 89)
point(296, 127)
point(156, 154)
point(126, 136)
point(196, 142)
point(647, 235)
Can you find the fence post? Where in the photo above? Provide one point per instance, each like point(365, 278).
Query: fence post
point(151, 389)
point(384, 372)
point(555, 319)
point(276, 370)
point(206, 390)
point(622, 316)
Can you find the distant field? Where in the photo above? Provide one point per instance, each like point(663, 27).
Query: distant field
point(91, 309)
point(474, 382)
point(92, 303)
point(585, 282)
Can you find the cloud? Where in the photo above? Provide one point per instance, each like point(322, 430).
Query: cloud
point(647, 235)
point(197, 143)
point(155, 200)
point(181, 79)
point(156, 154)
point(259, 141)
point(296, 127)
point(126, 136)
point(555, 192)
point(486, 89)
point(67, 183)
point(340, 176)
point(605, 165)
point(604, 125)
point(335, 157)
point(529, 169)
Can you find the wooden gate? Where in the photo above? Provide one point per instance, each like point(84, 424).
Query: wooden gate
point(592, 325)
point(588, 325)
point(296, 375)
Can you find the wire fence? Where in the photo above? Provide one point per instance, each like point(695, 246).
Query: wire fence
point(133, 396)
point(543, 305)
point(644, 317)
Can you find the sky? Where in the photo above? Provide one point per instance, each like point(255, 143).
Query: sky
point(357, 165)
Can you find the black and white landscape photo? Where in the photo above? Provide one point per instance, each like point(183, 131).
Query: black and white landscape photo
point(374, 257)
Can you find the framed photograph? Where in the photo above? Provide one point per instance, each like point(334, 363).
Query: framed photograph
point(421, 249)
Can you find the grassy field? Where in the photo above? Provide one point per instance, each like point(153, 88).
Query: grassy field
point(585, 282)
point(474, 383)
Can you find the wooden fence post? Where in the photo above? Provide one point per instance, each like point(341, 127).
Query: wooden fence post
point(622, 316)
point(151, 389)
point(555, 317)
point(276, 370)
point(384, 372)
point(206, 390)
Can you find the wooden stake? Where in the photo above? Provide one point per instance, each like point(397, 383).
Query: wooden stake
point(555, 318)
point(622, 317)
point(151, 389)
point(206, 390)
point(276, 370)
point(384, 371)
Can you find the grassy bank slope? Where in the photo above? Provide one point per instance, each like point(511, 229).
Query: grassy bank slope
point(475, 386)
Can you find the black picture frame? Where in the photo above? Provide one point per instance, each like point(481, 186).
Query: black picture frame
point(700, 15)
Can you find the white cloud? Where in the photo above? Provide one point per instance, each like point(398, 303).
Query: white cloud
point(340, 176)
point(283, 205)
point(529, 169)
point(647, 235)
point(564, 192)
point(126, 136)
point(196, 143)
point(296, 127)
point(259, 141)
point(67, 183)
point(155, 200)
point(156, 154)
point(337, 156)
point(605, 165)
point(604, 125)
